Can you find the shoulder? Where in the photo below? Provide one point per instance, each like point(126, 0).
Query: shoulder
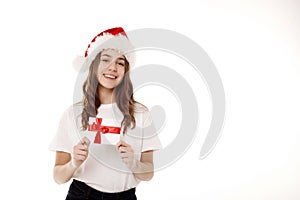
point(73, 111)
point(76, 108)
point(142, 114)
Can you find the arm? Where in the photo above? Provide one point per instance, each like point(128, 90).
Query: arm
point(63, 169)
point(65, 165)
point(142, 169)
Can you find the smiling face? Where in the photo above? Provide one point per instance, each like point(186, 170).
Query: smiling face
point(111, 69)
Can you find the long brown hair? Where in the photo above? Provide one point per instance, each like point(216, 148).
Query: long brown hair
point(123, 94)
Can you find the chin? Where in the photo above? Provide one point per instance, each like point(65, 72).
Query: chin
point(109, 87)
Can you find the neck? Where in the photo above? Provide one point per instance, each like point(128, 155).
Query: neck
point(106, 95)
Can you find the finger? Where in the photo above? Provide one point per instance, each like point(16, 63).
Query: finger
point(119, 144)
point(125, 149)
point(122, 149)
point(125, 155)
point(79, 157)
point(85, 141)
point(81, 152)
point(126, 160)
point(122, 143)
point(80, 147)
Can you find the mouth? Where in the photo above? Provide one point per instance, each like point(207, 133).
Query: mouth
point(110, 76)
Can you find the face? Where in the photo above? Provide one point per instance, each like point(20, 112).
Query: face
point(111, 68)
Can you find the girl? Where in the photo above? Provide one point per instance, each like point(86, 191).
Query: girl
point(111, 164)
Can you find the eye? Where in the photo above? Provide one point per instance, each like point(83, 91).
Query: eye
point(105, 60)
point(121, 63)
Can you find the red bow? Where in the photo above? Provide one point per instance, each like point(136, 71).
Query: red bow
point(96, 127)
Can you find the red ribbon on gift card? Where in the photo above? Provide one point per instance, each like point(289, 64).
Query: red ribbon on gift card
point(97, 127)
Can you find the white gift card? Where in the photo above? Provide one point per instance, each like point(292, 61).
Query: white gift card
point(103, 131)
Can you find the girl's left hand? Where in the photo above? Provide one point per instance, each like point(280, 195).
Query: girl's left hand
point(126, 153)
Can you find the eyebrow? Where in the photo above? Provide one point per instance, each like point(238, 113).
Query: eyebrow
point(120, 58)
point(106, 55)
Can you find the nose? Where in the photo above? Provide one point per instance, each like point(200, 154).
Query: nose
point(112, 66)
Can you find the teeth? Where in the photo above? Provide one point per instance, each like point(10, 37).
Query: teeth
point(109, 76)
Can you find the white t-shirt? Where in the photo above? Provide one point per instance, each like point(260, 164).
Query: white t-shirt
point(103, 169)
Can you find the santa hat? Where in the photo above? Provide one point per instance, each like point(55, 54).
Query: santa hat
point(114, 38)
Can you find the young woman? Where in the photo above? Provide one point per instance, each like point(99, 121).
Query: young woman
point(101, 166)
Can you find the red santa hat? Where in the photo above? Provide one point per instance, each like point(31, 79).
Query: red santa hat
point(114, 38)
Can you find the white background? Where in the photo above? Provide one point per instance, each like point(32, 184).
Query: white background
point(254, 45)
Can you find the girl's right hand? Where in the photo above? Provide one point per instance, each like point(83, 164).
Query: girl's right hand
point(80, 152)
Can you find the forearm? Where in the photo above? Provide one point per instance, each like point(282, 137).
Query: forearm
point(143, 171)
point(63, 173)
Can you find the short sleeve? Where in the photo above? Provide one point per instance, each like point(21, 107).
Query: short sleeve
point(62, 140)
point(151, 140)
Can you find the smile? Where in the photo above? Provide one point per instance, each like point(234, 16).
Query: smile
point(109, 76)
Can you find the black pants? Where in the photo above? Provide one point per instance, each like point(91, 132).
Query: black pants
point(79, 190)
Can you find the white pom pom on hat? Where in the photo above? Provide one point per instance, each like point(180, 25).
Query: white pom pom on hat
point(114, 38)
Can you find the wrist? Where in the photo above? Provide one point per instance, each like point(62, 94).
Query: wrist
point(134, 165)
point(72, 165)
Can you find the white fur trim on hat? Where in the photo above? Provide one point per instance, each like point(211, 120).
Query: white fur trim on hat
point(118, 42)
